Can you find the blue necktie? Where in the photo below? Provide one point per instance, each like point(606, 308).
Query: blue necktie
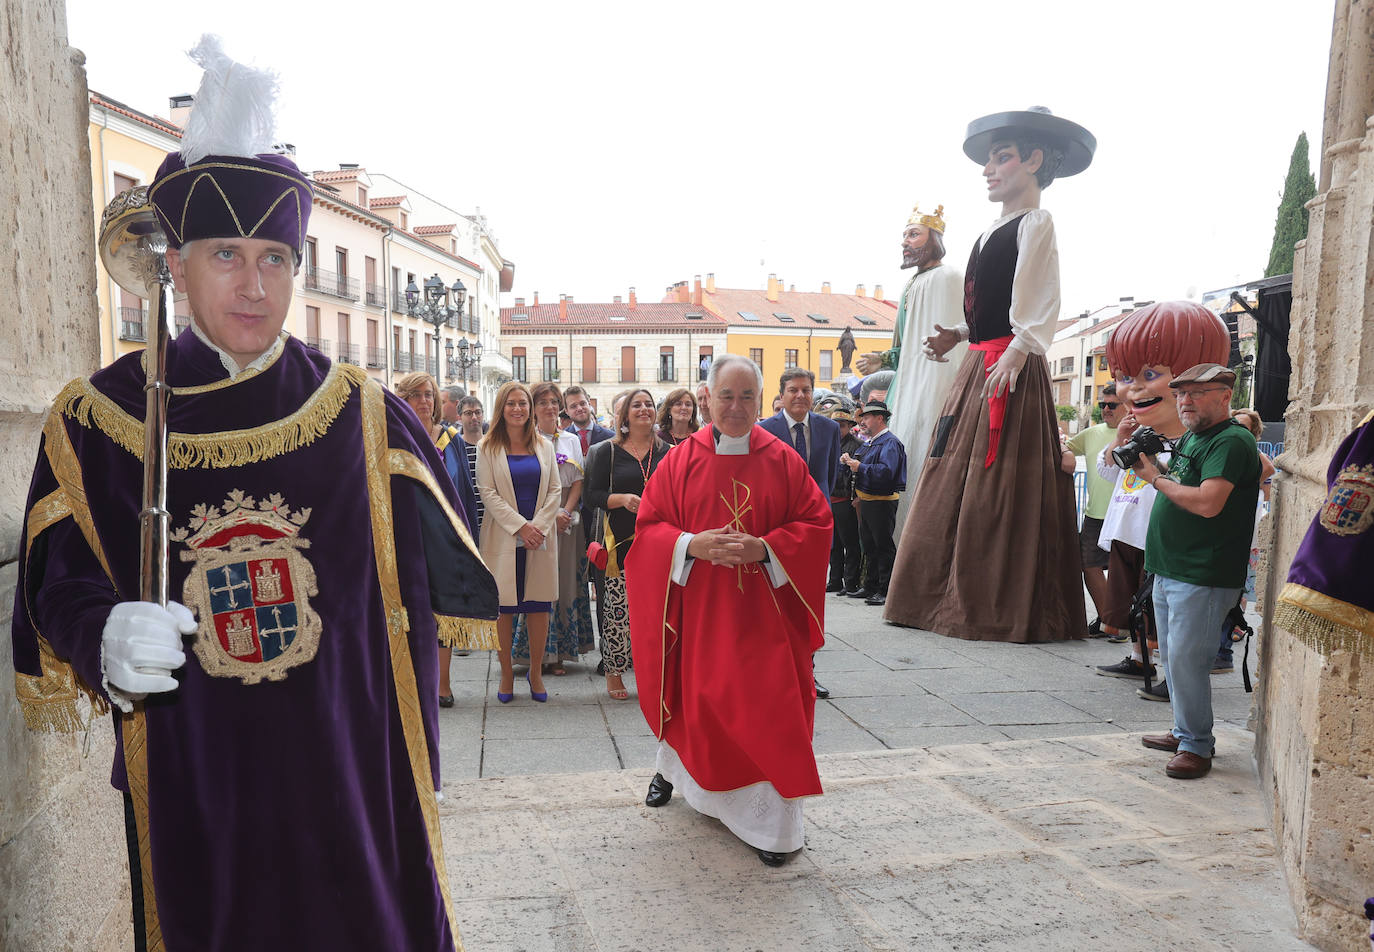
point(799, 438)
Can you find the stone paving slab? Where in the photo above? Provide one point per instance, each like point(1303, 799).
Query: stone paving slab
point(1055, 844)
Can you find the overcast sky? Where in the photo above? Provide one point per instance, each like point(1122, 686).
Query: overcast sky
point(636, 144)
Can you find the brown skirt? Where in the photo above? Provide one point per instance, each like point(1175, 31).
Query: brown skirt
point(991, 554)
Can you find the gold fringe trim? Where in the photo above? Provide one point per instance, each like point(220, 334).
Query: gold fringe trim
point(50, 702)
point(81, 402)
point(475, 634)
point(1323, 623)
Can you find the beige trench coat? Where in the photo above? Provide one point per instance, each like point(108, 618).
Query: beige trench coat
point(501, 521)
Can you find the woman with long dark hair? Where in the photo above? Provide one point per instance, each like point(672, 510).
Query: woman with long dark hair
point(617, 471)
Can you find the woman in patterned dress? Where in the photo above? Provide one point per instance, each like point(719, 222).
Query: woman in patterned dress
point(616, 473)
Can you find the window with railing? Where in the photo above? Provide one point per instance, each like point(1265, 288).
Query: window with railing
point(318, 343)
point(1066, 365)
point(348, 353)
point(550, 366)
point(517, 368)
point(400, 360)
point(376, 358)
point(331, 282)
point(667, 373)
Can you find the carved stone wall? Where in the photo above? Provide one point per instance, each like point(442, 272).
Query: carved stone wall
point(63, 876)
point(1315, 737)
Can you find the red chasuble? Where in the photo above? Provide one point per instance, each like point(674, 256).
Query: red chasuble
point(723, 665)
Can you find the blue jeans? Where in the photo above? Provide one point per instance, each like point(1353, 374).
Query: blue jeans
point(1189, 619)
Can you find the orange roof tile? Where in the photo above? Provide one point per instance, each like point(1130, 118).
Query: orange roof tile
point(609, 316)
point(837, 310)
point(434, 229)
point(335, 175)
point(161, 125)
point(387, 201)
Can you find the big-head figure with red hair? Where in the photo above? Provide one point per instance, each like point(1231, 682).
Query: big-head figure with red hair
point(1152, 346)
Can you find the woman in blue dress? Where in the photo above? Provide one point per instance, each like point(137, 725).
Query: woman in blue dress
point(517, 477)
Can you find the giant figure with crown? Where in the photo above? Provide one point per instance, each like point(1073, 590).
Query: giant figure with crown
point(276, 722)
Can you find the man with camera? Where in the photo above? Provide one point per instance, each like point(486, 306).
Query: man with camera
point(1197, 546)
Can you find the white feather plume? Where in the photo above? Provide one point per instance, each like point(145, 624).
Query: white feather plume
point(233, 112)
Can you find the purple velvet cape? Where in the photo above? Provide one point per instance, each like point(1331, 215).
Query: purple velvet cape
point(281, 814)
point(1328, 600)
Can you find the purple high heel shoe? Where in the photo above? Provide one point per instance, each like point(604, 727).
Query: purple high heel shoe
point(540, 696)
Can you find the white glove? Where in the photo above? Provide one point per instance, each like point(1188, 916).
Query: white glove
point(141, 647)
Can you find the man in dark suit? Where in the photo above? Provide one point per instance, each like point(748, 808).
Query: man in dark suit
point(815, 437)
point(589, 433)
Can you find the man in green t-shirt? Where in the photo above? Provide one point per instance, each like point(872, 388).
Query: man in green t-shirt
point(1089, 443)
point(1197, 546)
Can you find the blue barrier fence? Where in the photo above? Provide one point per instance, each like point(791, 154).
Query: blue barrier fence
point(1080, 478)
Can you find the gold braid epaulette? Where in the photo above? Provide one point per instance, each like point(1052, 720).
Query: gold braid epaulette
point(81, 402)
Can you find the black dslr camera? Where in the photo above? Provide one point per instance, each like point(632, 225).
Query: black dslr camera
point(1143, 442)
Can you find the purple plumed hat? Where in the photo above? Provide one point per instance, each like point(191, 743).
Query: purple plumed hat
point(226, 182)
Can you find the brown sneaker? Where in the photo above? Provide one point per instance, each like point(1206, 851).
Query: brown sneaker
point(1186, 765)
point(1161, 742)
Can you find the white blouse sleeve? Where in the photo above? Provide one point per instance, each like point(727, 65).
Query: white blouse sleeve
point(1035, 286)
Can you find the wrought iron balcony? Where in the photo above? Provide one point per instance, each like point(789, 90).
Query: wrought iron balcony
point(628, 376)
point(132, 324)
point(348, 353)
point(376, 358)
point(332, 283)
point(667, 375)
point(318, 343)
point(375, 295)
point(588, 376)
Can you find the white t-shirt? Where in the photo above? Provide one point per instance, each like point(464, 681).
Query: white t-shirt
point(1128, 512)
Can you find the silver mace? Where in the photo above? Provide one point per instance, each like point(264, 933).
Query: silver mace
point(134, 251)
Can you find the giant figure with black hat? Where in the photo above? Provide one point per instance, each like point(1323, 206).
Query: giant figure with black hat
point(993, 511)
point(277, 721)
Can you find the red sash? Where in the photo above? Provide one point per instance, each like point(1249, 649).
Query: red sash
point(997, 405)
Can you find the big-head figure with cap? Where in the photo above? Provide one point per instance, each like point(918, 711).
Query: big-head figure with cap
point(277, 722)
point(993, 512)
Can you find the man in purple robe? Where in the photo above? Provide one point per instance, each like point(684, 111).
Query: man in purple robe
point(277, 724)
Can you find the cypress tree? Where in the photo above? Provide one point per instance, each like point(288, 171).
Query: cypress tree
point(1290, 226)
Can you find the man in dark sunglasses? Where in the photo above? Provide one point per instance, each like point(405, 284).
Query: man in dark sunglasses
point(1088, 443)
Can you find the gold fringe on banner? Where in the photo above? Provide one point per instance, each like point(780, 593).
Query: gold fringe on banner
point(89, 407)
point(475, 634)
point(1323, 623)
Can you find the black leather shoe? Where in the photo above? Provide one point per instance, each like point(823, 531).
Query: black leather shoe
point(860, 593)
point(822, 692)
point(835, 587)
point(878, 598)
point(772, 859)
point(660, 792)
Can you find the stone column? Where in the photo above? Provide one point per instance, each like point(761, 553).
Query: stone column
point(1315, 724)
point(63, 875)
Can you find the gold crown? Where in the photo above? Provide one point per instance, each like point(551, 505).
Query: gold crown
point(935, 222)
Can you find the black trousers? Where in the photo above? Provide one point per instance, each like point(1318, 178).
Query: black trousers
point(845, 554)
point(877, 522)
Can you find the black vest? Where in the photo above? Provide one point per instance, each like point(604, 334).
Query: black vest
point(987, 284)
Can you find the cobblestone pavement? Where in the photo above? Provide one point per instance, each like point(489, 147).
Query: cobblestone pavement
point(978, 796)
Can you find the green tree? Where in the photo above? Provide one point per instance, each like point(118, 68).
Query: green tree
point(1290, 226)
point(1066, 413)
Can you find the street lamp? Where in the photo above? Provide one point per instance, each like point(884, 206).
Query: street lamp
point(469, 355)
point(437, 306)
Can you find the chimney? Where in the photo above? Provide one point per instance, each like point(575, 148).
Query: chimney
point(772, 287)
point(696, 291)
point(519, 302)
point(711, 283)
point(562, 307)
point(877, 292)
point(616, 299)
point(791, 287)
point(348, 166)
point(633, 304)
point(1128, 304)
point(180, 108)
point(860, 292)
point(684, 293)
point(536, 299)
point(825, 287)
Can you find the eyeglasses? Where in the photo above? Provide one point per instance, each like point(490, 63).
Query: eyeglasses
point(1103, 405)
point(1194, 394)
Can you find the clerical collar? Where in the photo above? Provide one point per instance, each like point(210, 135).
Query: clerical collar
point(230, 364)
point(730, 445)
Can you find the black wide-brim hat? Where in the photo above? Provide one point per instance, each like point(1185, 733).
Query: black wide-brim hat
point(1076, 143)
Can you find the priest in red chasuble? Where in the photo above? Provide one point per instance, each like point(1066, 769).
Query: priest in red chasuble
point(726, 586)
